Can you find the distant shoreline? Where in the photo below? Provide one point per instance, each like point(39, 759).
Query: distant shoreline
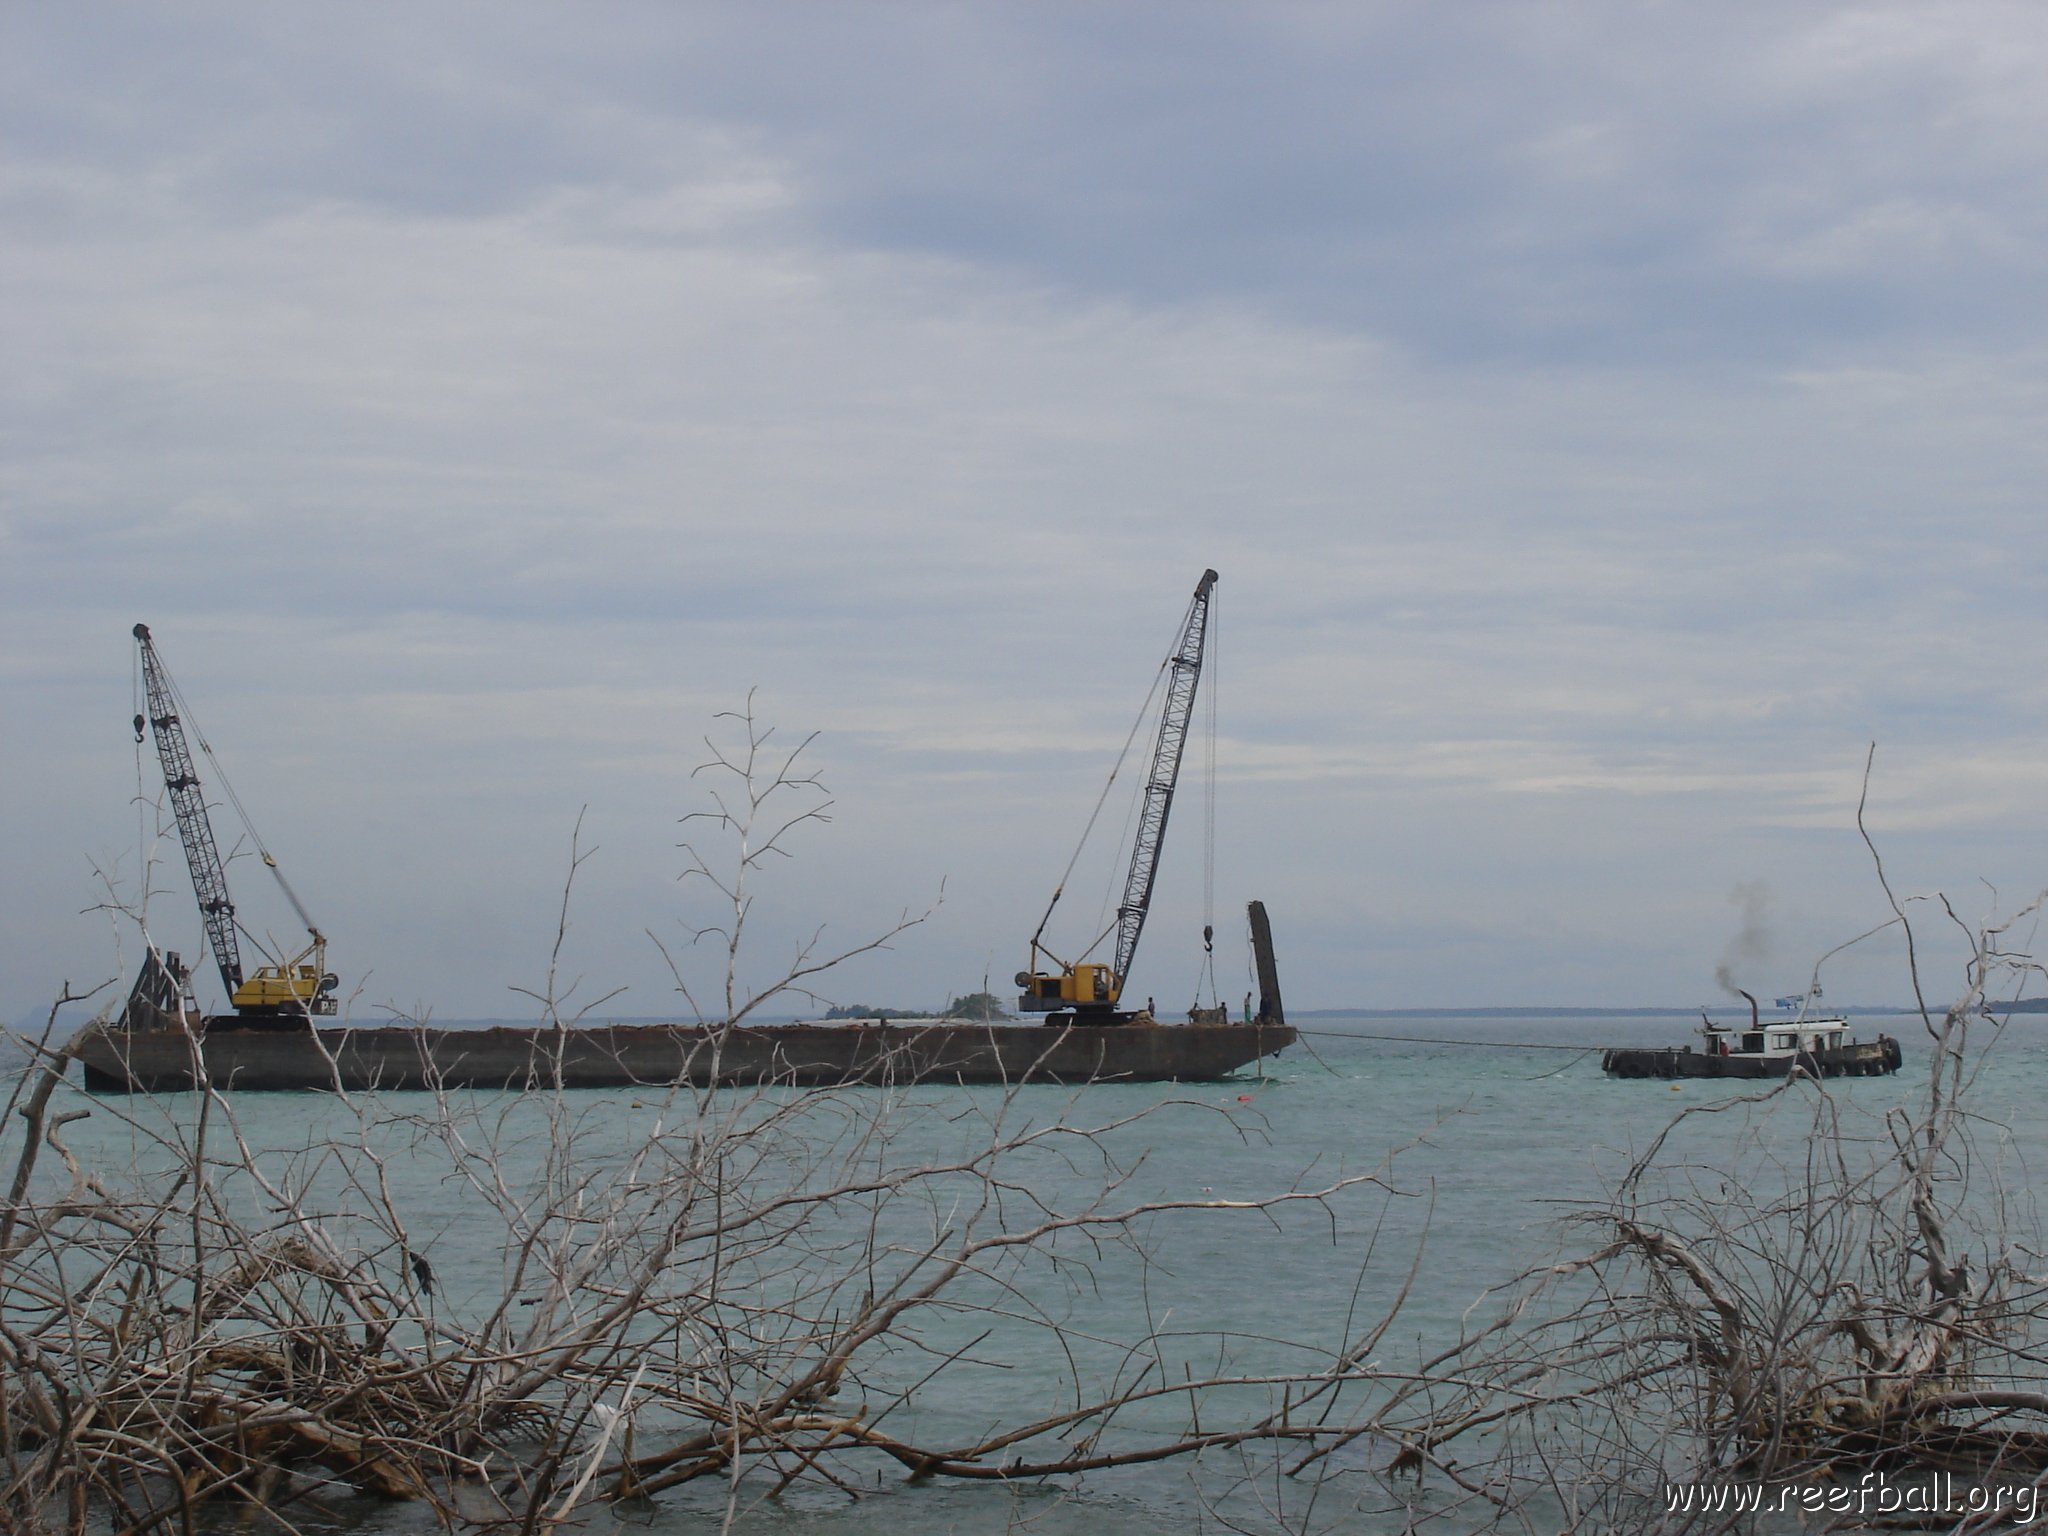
point(68, 1021)
point(1576, 1013)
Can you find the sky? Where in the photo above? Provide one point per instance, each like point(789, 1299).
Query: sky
point(1609, 421)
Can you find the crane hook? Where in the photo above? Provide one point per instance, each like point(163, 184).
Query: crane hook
point(138, 730)
point(1208, 939)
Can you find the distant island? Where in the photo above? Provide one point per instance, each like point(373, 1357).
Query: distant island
point(974, 1008)
point(1569, 1013)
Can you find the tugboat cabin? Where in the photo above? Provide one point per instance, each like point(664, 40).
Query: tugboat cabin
point(1789, 1038)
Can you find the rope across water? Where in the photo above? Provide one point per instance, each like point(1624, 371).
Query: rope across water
point(1495, 1045)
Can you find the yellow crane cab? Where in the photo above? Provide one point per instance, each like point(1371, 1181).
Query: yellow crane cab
point(1087, 985)
point(286, 989)
point(301, 985)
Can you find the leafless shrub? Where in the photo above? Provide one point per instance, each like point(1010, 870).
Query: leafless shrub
point(760, 795)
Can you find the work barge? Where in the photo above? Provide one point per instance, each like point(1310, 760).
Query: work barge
point(161, 1045)
point(276, 1038)
point(172, 1059)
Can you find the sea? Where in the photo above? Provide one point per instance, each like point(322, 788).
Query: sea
point(1482, 1136)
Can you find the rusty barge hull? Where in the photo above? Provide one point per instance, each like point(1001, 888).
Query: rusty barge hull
point(169, 1058)
point(1869, 1058)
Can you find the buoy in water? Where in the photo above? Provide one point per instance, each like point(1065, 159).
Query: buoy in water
point(1677, 1087)
point(1244, 1098)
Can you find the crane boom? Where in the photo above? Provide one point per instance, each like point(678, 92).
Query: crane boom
point(1091, 989)
point(1185, 671)
point(195, 828)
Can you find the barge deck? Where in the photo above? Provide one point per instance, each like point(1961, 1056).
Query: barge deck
point(167, 1056)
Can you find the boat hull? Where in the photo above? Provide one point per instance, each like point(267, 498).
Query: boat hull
point(1864, 1058)
point(168, 1058)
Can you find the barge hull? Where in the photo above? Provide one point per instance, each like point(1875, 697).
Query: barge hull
point(168, 1058)
point(1870, 1058)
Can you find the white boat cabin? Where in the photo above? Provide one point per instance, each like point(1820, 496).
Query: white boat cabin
point(1800, 1034)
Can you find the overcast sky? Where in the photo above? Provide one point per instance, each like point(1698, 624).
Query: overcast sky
point(1607, 419)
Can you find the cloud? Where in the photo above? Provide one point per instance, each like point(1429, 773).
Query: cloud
point(1607, 421)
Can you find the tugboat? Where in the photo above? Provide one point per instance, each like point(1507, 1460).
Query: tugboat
point(1812, 1043)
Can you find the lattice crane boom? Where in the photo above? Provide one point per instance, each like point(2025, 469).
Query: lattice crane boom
point(1184, 672)
point(188, 801)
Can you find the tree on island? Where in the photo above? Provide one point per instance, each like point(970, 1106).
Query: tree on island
point(974, 1008)
point(978, 1008)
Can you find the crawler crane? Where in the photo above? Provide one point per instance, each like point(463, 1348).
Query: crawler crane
point(1085, 991)
point(280, 993)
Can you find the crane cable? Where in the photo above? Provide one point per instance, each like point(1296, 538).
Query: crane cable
point(1112, 921)
point(1209, 838)
point(1109, 915)
point(143, 800)
point(1102, 800)
point(1208, 970)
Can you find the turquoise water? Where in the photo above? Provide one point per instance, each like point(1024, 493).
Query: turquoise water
point(1481, 1149)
